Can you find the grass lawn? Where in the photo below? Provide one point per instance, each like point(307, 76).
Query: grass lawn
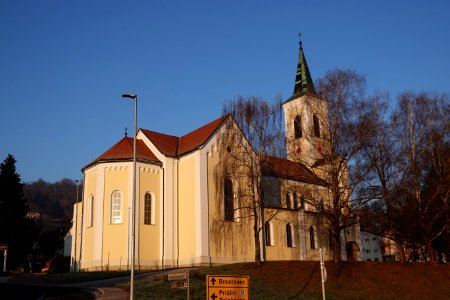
point(301, 280)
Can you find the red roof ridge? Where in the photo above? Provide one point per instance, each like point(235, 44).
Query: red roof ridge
point(288, 169)
point(200, 136)
point(123, 151)
point(174, 146)
point(165, 143)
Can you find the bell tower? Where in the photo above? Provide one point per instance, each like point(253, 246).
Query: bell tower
point(305, 117)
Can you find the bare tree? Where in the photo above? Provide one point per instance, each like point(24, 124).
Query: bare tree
point(422, 128)
point(247, 142)
point(332, 151)
point(381, 158)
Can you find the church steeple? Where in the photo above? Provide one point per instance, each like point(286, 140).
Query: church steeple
point(303, 81)
point(305, 117)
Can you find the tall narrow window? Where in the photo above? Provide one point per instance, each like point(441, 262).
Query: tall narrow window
point(298, 127)
point(148, 209)
point(316, 126)
point(312, 240)
point(90, 212)
point(116, 208)
point(296, 203)
point(289, 235)
point(288, 200)
point(228, 200)
point(268, 233)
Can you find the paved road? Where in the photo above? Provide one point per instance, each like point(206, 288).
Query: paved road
point(34, 287)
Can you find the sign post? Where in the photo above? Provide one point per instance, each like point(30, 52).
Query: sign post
point(179, 280)
point(323, 272)
point(227, 287)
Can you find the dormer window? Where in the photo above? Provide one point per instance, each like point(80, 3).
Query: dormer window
point(316, 126)
point(298, 127)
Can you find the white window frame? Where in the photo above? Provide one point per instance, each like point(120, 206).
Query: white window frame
point(90, 211)
point(152, 208)
point(291, 231)
point(271, 237)
point(116, 208)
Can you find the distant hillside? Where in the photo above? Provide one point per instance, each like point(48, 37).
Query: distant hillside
point(301, 280)
point(52, 200)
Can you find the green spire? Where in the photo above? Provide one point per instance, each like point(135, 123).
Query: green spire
point(303, 80)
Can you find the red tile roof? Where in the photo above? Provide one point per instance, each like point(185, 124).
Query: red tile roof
point(199, 137)
point(283, 168)
point(173, 146)
point(166, 144)
point(123, 151)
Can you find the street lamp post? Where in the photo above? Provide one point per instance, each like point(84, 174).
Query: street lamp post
point(133, 212)
point(74, 258)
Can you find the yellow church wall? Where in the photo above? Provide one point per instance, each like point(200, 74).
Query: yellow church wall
point(90, 184)
point(149, 234)
point(279, 249)
point(230, 241)
point(115, 236)
point(186, 207)
point(76, 232)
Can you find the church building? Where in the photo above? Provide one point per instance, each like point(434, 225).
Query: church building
point(185, 216)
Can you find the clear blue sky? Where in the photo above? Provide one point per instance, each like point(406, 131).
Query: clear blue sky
point(65, 64)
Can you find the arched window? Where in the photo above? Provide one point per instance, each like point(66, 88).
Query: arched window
point(148, 209)
point(289, 235)
point(90, 212)
point(296, 204)
point(312, 240)
point(302, 202)
point(298, 127)
point(288, 200)
point(268, 234)
point(316, 126)
point(228, 199)
point(116, 208)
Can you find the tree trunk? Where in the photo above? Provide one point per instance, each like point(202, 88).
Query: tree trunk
point(430, 252)
point(256, 236)
point(336, 246)
point(400, 249)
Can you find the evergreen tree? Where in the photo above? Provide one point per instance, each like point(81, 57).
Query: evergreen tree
point(15, 228)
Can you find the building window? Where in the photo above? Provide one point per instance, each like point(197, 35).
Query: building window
point(116, 208)
point(148, 209)
point(298, 127)
point(302, 202)
point(268, 234)
point(288, 200)
point(316, 126)
point(90, 212)
point(296, 202)
point(312, 240)
point(228, 200)
point(289, 235)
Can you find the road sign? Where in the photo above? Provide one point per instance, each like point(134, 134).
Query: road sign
point(178, 284)
point(180, 280)
point(227, 287)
